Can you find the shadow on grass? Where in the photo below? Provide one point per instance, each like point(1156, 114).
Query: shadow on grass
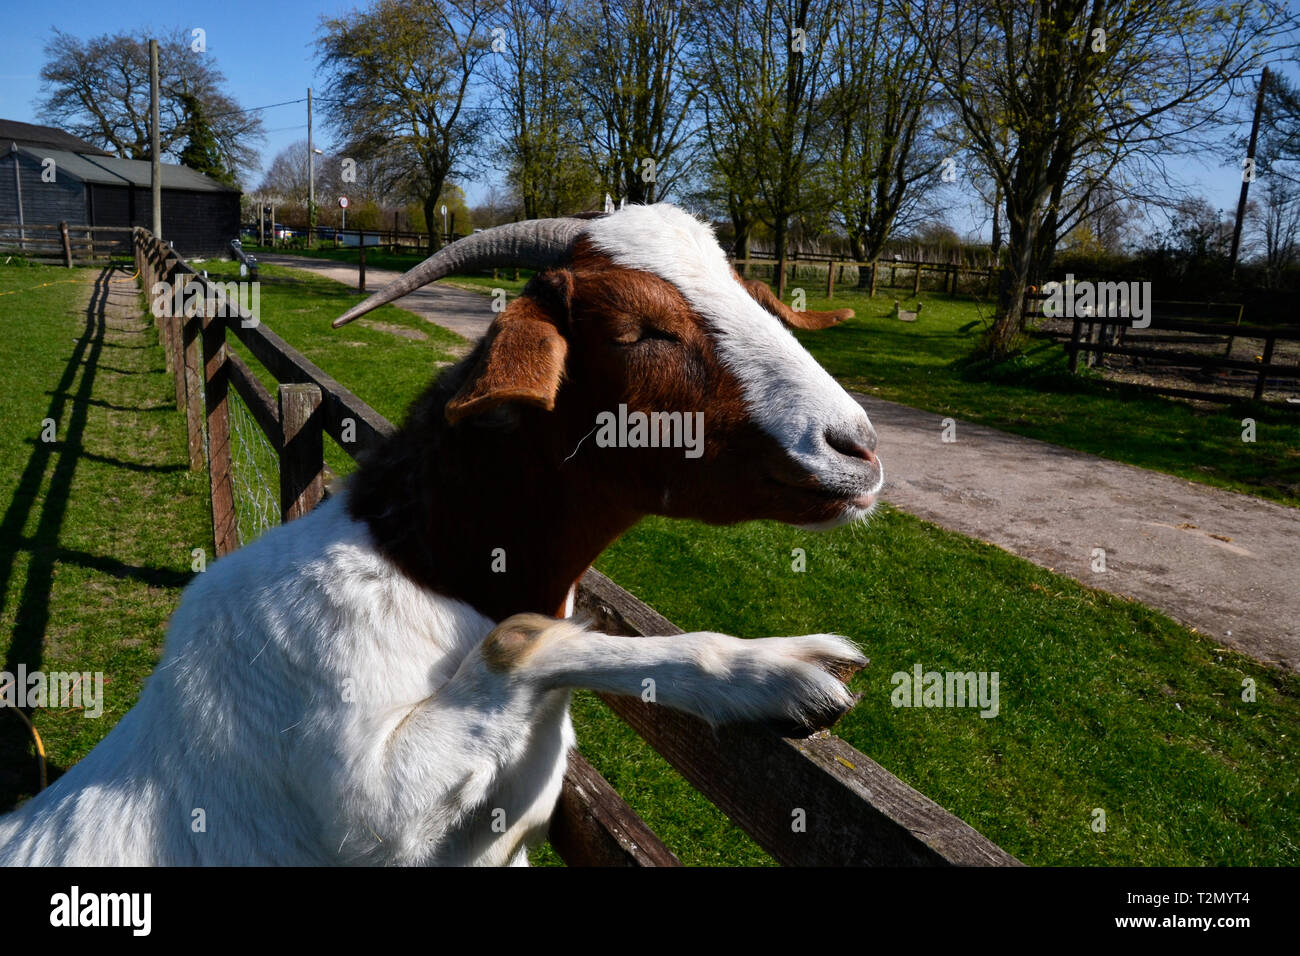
point(70, 403)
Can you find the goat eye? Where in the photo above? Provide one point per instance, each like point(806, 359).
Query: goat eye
point(651, 334)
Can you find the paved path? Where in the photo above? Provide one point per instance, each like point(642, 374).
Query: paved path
point(1223, 563)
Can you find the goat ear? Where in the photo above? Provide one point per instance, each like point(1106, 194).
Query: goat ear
point(764, 296)
point(523, 361)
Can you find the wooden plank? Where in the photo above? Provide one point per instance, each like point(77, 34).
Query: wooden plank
point(302, 454)
point(257, 397)
point(176, 341)
point(1201, 360)
point(225, 531)
point(1075, 343)
point(191, 372)
point(853, 811)
point(1264, 368)
point(593, 826)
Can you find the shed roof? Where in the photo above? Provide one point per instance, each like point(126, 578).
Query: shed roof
point(31, 134)
point(113, 171)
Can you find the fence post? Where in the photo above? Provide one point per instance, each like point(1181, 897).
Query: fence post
point(67, 244)
point(225, 530)
point(190, 371)
point(830, 278)
point(874, 266)
point(1263, 369)
point(302, 450)
point(361, 264)
point(780, 280)
point(165, 327)
point(916, 284)
point(1074, 345)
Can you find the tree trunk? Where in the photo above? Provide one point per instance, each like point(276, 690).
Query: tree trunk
point(1003, 337)
point(858, 250)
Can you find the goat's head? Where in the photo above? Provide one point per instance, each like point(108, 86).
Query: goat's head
point(639, 311)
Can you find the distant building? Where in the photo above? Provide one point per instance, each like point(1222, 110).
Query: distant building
point(93, 188)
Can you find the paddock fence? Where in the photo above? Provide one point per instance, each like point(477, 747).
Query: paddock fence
point(853, 811)
point(1203, 343)
point(65, 244)
point(827, 272)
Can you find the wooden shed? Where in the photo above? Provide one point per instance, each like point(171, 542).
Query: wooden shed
point(48, 176)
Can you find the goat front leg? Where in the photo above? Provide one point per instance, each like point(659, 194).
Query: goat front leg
point(794, 684)
point(493, 739)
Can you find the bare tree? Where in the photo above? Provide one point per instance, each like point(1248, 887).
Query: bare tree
point(1277, 216)
point(533, 68)
point(636, 104)
point(400, 76)
point(1091, 92)
point(882, 159)
point(765, 70)
point(98, 89)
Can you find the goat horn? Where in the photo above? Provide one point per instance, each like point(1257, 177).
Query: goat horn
point(535, 244)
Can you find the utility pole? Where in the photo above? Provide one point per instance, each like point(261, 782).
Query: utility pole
point(311, 178)
point(1248, 174)
point(155, 149)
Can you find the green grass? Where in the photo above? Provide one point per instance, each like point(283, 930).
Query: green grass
point(98, 526)
point(1104, 703)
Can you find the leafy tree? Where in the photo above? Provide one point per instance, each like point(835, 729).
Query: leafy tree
point(98, 89)
point(1060, 97)
point(400, 79)
point(201, 152)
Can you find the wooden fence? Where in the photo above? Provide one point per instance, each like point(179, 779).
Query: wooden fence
point(64, 244)
point(1187, 324)
point(884, 273)
point(856, 812)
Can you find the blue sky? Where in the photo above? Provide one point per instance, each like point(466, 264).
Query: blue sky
point(266, 51)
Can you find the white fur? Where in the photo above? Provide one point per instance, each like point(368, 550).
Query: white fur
point(314, 706)
point(790, 396)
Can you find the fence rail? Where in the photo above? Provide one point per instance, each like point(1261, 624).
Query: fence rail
point(864, 814)
point(884, 272)
point(1093, 336)
point(65, 244)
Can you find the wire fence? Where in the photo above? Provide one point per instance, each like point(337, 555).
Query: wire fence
point(254, 471)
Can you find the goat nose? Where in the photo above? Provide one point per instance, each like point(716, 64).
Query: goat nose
point(862, 445)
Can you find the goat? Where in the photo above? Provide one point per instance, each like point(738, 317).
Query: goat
point(381, 681)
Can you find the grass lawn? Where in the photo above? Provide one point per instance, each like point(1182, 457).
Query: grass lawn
point(97, 525)
point(1105, 704)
